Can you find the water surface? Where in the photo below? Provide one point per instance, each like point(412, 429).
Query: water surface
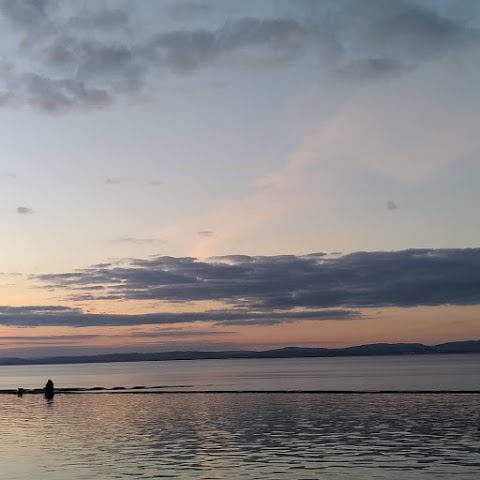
point(241, 436)
point(415, 372)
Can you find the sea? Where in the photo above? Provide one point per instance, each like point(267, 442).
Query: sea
point(396, 417)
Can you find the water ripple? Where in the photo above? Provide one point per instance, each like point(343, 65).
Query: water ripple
point(240, 436)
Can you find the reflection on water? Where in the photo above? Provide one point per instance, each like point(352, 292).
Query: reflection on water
point(240, 436)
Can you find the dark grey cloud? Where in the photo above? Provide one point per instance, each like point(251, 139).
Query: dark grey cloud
point(391, 38)
point(185, 51)
point(405, 278)
point(73, 317)
point(67, 55)
point(29, 14)
point(115, 64)
point(104, 19)
point(411, 26)
point(391, 205)
point(368, 68)
point(24, 211)
point(205, 233)
point(37, 310)
point(58, 95)
point(186, 11)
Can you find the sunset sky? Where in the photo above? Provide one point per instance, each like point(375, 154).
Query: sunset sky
point(238, 174)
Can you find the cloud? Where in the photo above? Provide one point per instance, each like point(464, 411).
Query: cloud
point(368, 68)
point(407, 26)
point(106, 19)
point(74, 338)
point(205, 233)
point(186, 11)
point(38, 310)
point(116, 181)
point(26, 316)
point(8, 175)
point(186, 51)
point(179, 333)
point(274, 285)
point(66, 56)
point(139, 241)
point(409, 130)
point(46, 339)
point(113, 181)
point(24, 211)
point(391, 205)
point(154, 183)
point(28, 14)
point(56, 95)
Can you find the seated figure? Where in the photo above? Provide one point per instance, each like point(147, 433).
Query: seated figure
point(49, 389)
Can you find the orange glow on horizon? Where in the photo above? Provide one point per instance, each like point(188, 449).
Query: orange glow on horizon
point(428, 325)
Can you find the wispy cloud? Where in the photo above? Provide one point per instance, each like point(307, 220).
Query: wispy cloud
point(206, 233)
point(112, 181)
point(8, 175)
point(46, 339)
point(26, 316)
point(156, 334)
point(25, 211)
point(179, 333)
point(139, 241)
point(117, 181)
point(391, 205)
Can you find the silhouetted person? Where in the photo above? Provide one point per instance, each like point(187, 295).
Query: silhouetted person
point(20, 391)
point(49, 390)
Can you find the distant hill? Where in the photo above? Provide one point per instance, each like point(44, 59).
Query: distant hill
point(469, 346)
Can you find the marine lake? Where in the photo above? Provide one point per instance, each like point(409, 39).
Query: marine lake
point(249, 436)
point(407, 372)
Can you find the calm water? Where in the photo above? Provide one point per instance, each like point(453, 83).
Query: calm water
point(432, 372)
point(241, 436)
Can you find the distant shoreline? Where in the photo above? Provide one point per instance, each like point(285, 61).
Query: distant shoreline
point(370, 350)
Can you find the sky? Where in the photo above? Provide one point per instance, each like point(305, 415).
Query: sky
point(211, 175)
